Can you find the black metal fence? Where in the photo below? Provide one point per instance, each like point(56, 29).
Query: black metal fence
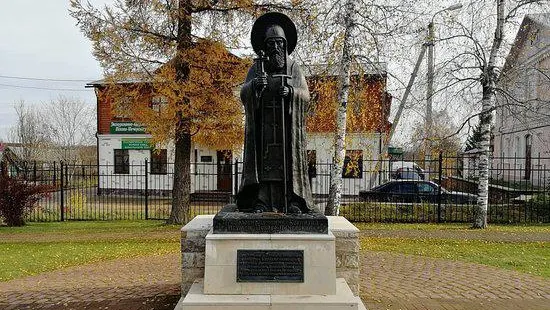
point(517, 193)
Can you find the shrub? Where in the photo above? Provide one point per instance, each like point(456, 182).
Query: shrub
point(539, 207)
point(17, 198)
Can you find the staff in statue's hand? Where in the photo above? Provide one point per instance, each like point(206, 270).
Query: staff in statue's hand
point(284, 91)
point(260, 82)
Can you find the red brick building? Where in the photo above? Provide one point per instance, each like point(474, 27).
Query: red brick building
point(123, 145)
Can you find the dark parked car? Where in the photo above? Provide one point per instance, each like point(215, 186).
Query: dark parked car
point(415, 191)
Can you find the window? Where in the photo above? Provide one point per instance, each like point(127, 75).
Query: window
point(158, 161)
point(312, 163)
point(353, 165)
point(122, 162)
point(206, 159)
point(507, 147)
point(390, 188)
point(530, 85)
point(425, 188)
point(518, 147)
point(407, 188)
point(159, 103)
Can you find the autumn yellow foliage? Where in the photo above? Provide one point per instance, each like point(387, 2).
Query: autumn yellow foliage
point(207, 99)
point(366, 108)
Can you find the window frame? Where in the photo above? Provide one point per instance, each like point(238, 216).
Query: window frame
point(159, 103)
point(121, 161)
point(358, 154)
point(159, 162)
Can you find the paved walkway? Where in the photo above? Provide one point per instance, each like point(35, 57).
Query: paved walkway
point(397, 281)
point(151, 282)
point(389, 281)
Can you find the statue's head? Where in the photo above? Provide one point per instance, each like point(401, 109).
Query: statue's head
point(272, 31)
point(275, 46)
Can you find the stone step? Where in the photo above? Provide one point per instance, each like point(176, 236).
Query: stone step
point(344, 299)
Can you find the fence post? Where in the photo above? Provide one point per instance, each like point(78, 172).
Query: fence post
point(236, 180)
point(54, 175)
point(439, 188)
point(146, 189)
point(62, 194)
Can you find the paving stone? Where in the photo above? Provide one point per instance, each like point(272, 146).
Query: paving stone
point(387, 281)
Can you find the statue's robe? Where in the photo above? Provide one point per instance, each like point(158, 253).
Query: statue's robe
point(296, 105)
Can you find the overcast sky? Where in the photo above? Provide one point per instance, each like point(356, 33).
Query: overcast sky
point(39, 40)
point(40, 43)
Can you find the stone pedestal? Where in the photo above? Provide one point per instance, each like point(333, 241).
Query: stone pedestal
point(214, 257)
point(319, 268)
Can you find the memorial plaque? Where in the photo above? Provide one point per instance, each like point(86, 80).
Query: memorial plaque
point(270, 266)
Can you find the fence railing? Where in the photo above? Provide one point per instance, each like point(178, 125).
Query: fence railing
point(90, 192)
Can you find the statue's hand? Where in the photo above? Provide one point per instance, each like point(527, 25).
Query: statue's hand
point(284, 91)
point(260, 83)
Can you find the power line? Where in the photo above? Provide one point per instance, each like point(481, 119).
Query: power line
point(44, 88)
point(43, 79)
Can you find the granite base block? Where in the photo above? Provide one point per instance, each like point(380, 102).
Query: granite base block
point(346, 243)
point(343, 299)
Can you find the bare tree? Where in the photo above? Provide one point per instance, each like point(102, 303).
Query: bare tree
point(70, 123)
point(442, 138)
point(350, 38)
point(477, 46)
point(30, 132)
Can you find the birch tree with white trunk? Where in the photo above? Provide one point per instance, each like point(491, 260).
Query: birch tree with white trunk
point(475, 49)
point(335, 190)
point(347, 38)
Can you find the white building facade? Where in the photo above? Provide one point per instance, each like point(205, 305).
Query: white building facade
point(522, 124)
point(122, 159)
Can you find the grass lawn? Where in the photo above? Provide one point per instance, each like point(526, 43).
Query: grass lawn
point(528, 251)
point(511, 228)
point(40, 247)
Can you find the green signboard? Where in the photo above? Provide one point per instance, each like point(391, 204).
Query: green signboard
point(126, 127)
point(136, 144)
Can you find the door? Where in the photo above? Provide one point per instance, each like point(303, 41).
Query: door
point(224, 175)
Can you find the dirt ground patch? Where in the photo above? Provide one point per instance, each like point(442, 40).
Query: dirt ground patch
point(461, 234)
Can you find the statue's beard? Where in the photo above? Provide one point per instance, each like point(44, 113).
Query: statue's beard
point(277, 59)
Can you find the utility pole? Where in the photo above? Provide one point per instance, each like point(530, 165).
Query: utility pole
point(429, 95)
point(430, 43)
point(397, 116)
